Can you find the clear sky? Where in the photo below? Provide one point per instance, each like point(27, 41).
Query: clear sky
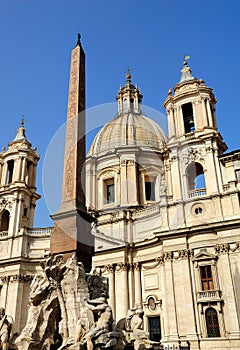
point(150, 36)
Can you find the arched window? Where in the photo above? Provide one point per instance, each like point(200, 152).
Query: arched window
point(195, 175)
point(132, 104)
point(212, 323)
point(4, 221)
point(125, 105)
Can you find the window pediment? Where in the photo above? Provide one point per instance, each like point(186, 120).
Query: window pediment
point(107, 173)
point(203, 256)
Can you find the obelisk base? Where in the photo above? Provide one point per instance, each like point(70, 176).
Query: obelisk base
point(72, 236)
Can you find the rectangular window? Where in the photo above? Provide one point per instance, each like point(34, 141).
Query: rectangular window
point(149, 188)
point(206, 277)
point(237, 173)
point(154, 328)
point(110, 193)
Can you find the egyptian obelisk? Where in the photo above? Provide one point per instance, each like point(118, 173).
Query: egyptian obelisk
point(71, 234)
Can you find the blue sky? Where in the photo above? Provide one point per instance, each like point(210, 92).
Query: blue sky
point(149, 36)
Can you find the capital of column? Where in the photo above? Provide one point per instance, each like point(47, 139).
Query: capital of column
point(222, 248)
point(136, 266)
point(109, 268)
point(122, 267)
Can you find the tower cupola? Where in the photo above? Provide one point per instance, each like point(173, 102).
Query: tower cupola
point(129, 97)
point(20, 138)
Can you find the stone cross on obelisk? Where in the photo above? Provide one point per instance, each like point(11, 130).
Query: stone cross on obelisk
point(72, 223)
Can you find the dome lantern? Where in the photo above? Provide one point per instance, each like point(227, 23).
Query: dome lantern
point(129, 97)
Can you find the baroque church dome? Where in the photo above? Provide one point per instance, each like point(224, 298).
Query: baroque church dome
point(131, 127)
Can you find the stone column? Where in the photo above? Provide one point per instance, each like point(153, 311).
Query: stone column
point(209, 113)
point(31, 214)
point(34, 170)
point(1, 168)
point(4, 174)
point(137, 283)
point(170, 298)
point(142, 189)
point(165, 316)
point(17, 163)
point(131, 285)
point(111, 281)
point(176, 181)
point(23, 172)
point(124, 190)
point(121, 288)
point(132, 182)
point(180, 122)
point(169, 180)
point(204, 120)
point(212, 182)
point(184, 295)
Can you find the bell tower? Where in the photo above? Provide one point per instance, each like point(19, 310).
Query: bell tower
point(194, 139)
point(71, 234)
point(17, 184)
point(191, 109)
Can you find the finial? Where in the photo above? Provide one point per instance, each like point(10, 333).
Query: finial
point(185, 59)
point(79, 39)
point(128, 75)
point(23, 121)
point(186, 73)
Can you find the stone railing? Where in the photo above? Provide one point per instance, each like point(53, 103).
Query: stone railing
point(146, 212)
point(39, 231)
point(208, 295)
point(231, 186)
point(189, 136)
point(197, 193)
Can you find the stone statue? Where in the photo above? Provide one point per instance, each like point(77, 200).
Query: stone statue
point(135, 336)
point(84, 323)
point(104, 323)
point(6, 323)
point(69, 310)
point(134, 319)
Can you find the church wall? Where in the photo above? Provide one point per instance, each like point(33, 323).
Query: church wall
point(227, 287)
point(144, 228)
point(174, 283)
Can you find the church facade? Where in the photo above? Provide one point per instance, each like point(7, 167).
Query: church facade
point(164, 212)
